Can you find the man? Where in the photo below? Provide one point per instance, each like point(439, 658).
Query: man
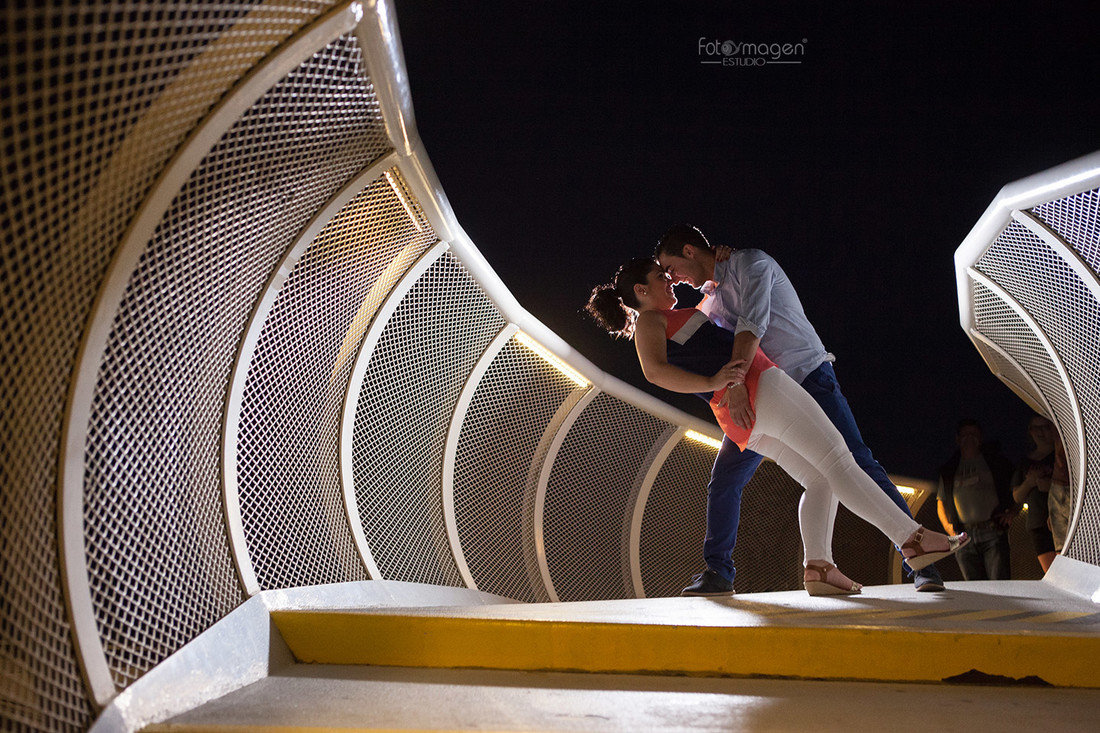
point(975, 496)
point(749, 294)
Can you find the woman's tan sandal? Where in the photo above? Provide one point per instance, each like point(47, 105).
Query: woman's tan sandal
point(919, 556)
point(824, 585)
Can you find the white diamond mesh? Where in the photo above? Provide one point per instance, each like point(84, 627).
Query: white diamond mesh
point(590, 499)
point(91, 110)
point(412, 384)
point(1076, 219)
point(670, 546)
point(1066, 311)
point(292, 504)
point(1005, 368)
point(96, 98)
point(500, 451)
point(158, 557)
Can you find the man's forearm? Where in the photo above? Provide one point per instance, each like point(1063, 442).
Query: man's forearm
point(745, 345)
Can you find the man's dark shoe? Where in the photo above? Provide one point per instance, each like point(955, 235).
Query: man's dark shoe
point(708, 583)
point(928, 580)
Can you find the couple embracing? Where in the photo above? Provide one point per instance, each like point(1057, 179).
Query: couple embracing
point(750, 351)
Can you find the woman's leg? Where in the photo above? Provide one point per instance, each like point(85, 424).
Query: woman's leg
point(792, 430)
point(816, 507)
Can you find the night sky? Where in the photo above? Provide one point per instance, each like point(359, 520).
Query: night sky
point(569, 136)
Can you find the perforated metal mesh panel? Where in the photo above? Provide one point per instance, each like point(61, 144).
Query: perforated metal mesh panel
point(412, 383)
point(1064, 308)
point(670, 548)
point(291, 499)
point(590, 499)
point(1008, 372)
point(95, 99)
point(500, 452)
point(158, 558)
point(1077, 220)
point(1004, 326)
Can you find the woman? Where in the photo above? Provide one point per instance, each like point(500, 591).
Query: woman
point(1031, 486)
point(682, 351)
point(1059, 498)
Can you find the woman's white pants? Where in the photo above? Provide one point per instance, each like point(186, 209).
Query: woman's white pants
point(792, 430)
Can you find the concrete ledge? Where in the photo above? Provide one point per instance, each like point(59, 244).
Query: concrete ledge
point(244, 647)
point(1073, 576)
point(1009, 630)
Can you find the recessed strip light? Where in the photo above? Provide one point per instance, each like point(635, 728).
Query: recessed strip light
point(704, 439)
point(404, 201)
point(552, 359)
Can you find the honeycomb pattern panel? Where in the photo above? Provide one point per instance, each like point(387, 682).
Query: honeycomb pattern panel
point(95, 98)
point(412, 383)
point(158, 556)
point(1068, 314)
point(292, 503)
point(501, 448)
point(590, 498)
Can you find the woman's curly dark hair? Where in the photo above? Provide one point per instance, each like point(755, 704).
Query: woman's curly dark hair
point(614, 305)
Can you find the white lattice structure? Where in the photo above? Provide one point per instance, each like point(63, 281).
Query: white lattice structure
point(1029, 298)
point(247, 348)
point(248, 351)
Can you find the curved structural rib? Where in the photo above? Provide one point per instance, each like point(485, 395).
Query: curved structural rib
point(1029, 298)
point(258, 353)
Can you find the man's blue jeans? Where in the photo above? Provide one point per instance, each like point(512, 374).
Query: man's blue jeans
point(988, 556)
point(734, 468)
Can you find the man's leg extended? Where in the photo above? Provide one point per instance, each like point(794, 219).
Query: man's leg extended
point(733, 468)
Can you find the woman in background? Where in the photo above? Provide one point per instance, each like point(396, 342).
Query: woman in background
point(1031, 485)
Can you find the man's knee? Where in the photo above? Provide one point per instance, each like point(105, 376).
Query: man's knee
point(732, 469)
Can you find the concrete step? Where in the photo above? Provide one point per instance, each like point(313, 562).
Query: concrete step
point(313, 697)
point(1007, 632)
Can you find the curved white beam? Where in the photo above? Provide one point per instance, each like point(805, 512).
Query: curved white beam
point(355, 387)
point(451, 446)
point(78, 412)
point(638, 513)
point(1069, 178)
point(544, 481)
point(1032, 391)
point(247, 350)
point(1056, 360)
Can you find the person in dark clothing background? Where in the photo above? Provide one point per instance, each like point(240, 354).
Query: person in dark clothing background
point(975, 495)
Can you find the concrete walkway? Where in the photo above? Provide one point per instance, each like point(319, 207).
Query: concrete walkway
point(1020, 630)
point(1009, 656)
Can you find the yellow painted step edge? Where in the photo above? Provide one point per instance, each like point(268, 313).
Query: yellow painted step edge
point(816, 653)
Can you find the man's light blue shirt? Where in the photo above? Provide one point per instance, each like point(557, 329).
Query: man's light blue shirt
point(752, 293)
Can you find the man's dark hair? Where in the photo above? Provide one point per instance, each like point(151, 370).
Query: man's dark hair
point(967, 422)
point(672, 242)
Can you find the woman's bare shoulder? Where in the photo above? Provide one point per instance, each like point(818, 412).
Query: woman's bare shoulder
point(654, 317)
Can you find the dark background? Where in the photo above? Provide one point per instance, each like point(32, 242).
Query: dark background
point(569, 136)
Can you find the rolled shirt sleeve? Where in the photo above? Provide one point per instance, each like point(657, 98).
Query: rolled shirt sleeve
point(757, 276)
point(752, 293)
